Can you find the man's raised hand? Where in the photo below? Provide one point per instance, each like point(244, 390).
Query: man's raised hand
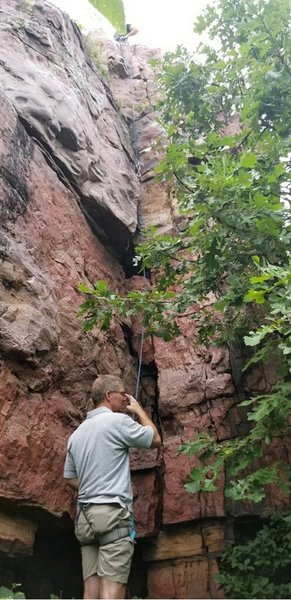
point(133, 405)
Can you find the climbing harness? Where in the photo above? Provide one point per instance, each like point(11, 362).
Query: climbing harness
point(123, 37)
point(118, 533)
point(132, 534)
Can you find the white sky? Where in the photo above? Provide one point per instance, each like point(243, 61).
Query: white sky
point(161, 23)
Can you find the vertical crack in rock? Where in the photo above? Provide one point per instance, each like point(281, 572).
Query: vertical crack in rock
point(237, 361)
point(14, 168)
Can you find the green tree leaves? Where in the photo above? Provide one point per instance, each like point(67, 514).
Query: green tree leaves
point(14, 592)
point(273, 287)
point(259, 567)
point(113, 10)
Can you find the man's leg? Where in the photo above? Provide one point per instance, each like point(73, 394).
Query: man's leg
point(110, 590)
point(89, 567)
point(114, 558)
point(113, 568)
point(92, 588)
point(89, 552)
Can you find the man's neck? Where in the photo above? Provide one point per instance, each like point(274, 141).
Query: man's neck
point(103, 404)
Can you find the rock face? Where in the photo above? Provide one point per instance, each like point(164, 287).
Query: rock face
point(69, 110)
point(77, 151)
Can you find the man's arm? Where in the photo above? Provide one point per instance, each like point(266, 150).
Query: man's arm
point(135, 408)
point(73, 483)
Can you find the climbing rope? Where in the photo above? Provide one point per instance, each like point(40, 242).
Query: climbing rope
point(138, 174)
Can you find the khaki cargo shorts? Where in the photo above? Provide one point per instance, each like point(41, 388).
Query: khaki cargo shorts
point(112, 560)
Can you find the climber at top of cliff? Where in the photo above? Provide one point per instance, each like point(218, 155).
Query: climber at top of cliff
point(122, 37)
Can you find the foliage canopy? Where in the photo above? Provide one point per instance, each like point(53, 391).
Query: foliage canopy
point(227, 119)
point(260, 567)
point(13, 592)
point(113, 10)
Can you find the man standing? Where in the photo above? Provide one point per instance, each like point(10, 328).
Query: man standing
point(97, 465)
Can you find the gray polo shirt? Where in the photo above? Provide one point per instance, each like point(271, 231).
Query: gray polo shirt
point(98, 455)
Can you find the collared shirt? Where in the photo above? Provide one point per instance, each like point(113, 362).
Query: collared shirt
point(98, 455)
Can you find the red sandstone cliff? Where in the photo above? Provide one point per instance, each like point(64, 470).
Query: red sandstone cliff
point(76, 163)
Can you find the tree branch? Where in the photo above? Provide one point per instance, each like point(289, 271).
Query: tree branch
point(277, 50)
